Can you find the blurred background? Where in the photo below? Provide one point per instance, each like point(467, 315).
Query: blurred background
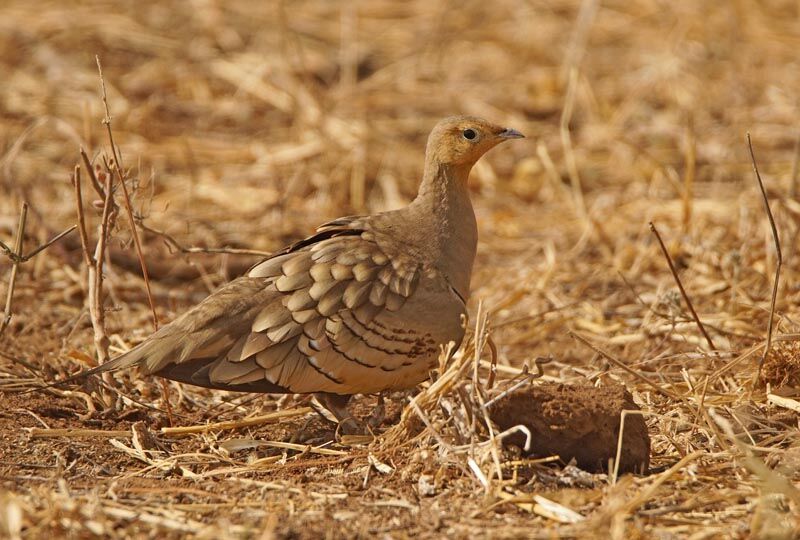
point(245, 124)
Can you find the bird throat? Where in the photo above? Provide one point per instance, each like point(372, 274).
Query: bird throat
point(443, 211)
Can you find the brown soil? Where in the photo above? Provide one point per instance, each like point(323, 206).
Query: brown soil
point(248, 123)
point(577, 422)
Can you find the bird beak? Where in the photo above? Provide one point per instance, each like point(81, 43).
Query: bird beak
point(509, 133)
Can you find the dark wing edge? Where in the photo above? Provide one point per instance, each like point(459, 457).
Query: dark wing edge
point(344, 226)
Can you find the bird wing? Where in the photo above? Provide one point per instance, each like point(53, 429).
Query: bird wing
point(324, 315)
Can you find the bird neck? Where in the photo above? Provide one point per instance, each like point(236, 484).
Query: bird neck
point(444, 208)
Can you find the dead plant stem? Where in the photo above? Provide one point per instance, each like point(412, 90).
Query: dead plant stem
point(12, 280)
point(778, 263)
point(680, 287)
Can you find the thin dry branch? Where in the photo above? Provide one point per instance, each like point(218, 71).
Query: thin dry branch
point(12, 280)
point(620, 364)
point(43, 433)
point(269, 418)
point(172, 242)
point(795, 168)
point(98, 187)
point(680, 287)
point(689, 174)
point(117, 166)
point(778, 263)
point(96, 296)
point(42, 247)
point(76, 184)
point(94, 261)
point(17, 259)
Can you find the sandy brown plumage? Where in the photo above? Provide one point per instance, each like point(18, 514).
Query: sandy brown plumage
point(362, 306)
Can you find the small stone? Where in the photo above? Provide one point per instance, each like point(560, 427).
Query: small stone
point(425, 485)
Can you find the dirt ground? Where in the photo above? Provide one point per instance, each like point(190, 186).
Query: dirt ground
point(242, 125)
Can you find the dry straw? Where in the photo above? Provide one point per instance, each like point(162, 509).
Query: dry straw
point(245, 124)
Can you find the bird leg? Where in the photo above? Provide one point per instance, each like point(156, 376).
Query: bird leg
point(378, 414)
point(337, 405)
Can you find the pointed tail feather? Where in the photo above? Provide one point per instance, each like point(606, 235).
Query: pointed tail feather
point(203, 333)
point(131, 358)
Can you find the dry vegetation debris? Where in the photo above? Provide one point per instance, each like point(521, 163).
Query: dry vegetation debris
point(243, 124)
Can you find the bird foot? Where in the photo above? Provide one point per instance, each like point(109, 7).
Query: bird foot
point(336, 405)
point(306, 435)
point(350, 426)
point(378, 414)
point(347, 424)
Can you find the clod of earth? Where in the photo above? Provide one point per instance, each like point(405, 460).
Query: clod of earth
point(580, 422)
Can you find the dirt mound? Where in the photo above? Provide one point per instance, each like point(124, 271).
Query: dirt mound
point(580, 422)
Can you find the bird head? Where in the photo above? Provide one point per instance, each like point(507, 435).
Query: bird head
point(461, 140)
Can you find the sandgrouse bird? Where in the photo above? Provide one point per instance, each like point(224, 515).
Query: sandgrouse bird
point(362, 306)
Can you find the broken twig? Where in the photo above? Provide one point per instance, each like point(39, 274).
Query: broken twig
point(680, 286)
point(778, 263)
point(17, 258)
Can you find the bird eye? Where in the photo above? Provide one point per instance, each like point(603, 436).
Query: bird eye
point(469, 134)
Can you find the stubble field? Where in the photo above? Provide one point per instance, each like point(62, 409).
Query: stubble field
point(242, 125)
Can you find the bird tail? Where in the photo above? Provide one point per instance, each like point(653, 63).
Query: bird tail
point(202, 333)
point(129, 359)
